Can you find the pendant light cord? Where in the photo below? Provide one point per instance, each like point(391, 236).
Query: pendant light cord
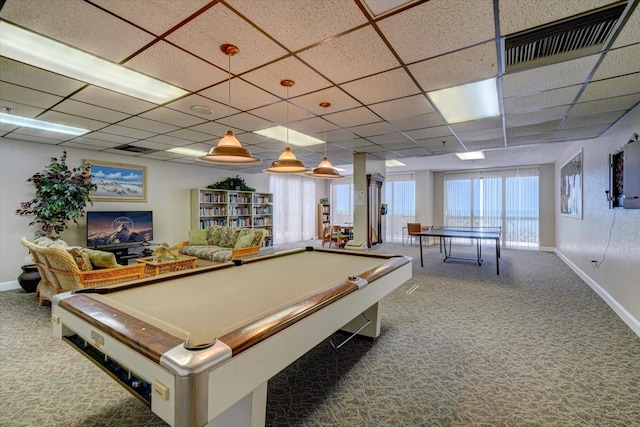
point(229, 101)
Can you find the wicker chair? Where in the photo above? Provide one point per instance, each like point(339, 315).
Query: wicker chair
point(48, 285)
point(337, 236)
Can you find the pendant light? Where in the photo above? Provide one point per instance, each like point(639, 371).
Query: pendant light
point(325, 169)
point(287, 163)
point(229, 150)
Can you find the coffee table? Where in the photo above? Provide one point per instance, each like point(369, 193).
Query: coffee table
point(154, 267)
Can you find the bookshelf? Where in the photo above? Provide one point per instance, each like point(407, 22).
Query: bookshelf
point(324, 217)
point(232, 209)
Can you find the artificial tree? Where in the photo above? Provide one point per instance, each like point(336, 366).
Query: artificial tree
point(61, 196)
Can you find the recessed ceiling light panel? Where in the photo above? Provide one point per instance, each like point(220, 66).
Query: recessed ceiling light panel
point(26, 122)
point(33, 49)
point(471, 155)
point(296, 138)
point(472, 101)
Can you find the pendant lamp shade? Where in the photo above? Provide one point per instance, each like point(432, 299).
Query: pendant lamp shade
point(229, 150)
point(287, 163)
point(325, 169)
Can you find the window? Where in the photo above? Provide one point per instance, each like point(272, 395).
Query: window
point(400, 197)
point(501, 198)
point(342, 202)
point(293, 208)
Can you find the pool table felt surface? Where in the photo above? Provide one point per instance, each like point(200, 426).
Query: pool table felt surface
point(232, 303)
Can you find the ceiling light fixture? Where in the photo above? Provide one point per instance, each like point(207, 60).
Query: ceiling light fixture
point(472, 101)
point(287, 163)
point(325, 169)
point(24, 46)
point(186, 151)
point(229, 150)
point(393, 163)
point(471, 155)
point(26, 122)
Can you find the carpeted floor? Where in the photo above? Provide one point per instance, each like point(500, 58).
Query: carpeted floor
point(534, 346)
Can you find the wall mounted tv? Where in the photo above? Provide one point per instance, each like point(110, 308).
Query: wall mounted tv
point(119, 228)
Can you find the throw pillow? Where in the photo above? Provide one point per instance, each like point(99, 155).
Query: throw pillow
point(101, 259)
point(198, 237)
point(228, 237)
point(213, 235)
point(81, 258)
point(245, 241)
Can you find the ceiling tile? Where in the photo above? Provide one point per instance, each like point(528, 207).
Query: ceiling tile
point(419, 122)
point(576, 122)
point(539, 128)
point(116, 101)
point(432, 132)
point(355, 117)
point(581, 133)
point(148, 125)
point(157, 17)
point(618, 86)
point(380, 128)
point(380, 87)
point(269, 77)
point(172, 117)
point(78, 24)
point(464, 66)
point(71, 120)
point(604, 105)
point(244, 96)
point(20, 95)
point(519, 15)
point(619, 62)
point(481, 135)
point(630, 34)
point(339, 100)
point(402, 108)
point(204, 35)
point(554, 76)
point(452, 25)
point(35, 78)
point(77, 108)
point(297, 24)
point(329, 58)
point(173, 65)
point(535, 117)
point(478, 125)
point(541, 100)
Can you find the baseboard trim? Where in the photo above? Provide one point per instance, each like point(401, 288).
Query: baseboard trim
point(626, 317)
point(9, 286)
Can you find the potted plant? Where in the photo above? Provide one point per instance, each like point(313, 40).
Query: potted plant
point(61, 196)
point(324, 201)
point(232, 183)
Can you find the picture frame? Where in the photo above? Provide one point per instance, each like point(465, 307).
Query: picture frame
point(571, 180)
point(118, 182)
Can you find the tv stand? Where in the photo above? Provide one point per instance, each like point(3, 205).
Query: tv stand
point(124, 253)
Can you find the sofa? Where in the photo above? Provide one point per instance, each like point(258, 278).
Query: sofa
point(221, 243)
point(67, 268)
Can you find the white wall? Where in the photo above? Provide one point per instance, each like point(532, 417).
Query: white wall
point(609, 236)
point(168, 195)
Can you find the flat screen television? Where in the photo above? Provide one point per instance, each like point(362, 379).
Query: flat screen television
point(119, 228)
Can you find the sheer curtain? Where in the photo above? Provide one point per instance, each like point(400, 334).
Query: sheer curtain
point(293, 208)
point(496, 198)
point(342, 201)
point(400, 197)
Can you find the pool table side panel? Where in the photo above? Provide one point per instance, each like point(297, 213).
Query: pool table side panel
point(240, 375)
point(147, 339)
point(247, 336)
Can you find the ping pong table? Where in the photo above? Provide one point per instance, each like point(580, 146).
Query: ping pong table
point(476, 233)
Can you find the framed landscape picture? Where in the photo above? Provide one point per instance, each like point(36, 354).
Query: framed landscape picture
point(571, 187)
point(117, 182)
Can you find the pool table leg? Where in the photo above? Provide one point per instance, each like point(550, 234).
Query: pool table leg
point(372, 330)
point(250, 411)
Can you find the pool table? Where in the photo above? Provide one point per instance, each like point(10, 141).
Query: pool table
point(199, 347)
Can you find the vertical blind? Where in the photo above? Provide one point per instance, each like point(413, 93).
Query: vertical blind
point(342, 201)
point(293, 208)
point(400, 197)
point(506, 198)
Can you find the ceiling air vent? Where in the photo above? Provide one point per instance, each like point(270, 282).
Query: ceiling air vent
point(578, 36)
point(134, 149)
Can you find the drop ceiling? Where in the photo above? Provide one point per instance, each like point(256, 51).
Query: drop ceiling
point(373, 60)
